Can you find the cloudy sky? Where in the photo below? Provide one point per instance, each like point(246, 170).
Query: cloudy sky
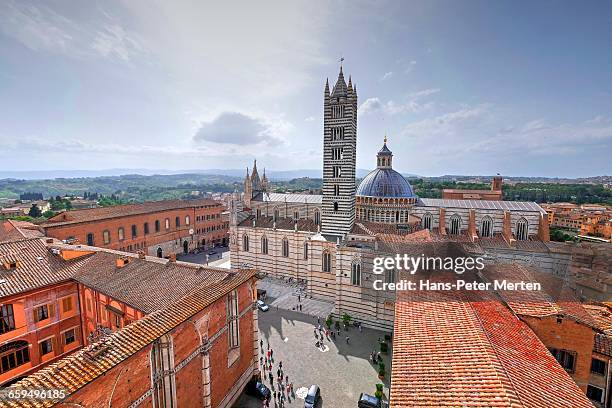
point(460, 87)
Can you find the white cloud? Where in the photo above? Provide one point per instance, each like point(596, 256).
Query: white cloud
point(238, 129)
point(387, 75)
point(410, 105)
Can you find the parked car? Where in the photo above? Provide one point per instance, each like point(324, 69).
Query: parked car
point(368, 401)
point(257, 389)
point(313, 396)
point(261, 305)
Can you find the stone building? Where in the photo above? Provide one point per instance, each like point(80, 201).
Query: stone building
point(328, 242)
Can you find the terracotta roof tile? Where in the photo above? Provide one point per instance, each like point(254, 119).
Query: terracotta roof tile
point(451, 350)
point(603, 344)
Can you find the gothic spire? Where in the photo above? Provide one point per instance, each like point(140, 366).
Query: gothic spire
point(340, 87)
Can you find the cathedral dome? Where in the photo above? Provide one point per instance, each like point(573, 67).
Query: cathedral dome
point(385, 183)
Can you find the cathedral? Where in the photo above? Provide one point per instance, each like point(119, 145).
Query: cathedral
point(328, 242)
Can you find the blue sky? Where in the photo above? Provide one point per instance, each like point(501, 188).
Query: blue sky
point(460, 87)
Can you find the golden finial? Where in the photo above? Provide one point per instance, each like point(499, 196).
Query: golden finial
point(385, 138)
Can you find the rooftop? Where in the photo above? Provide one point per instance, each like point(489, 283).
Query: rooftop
point(303, 224)
point(290, 198)
point(13, 230)
point(104, 213)
point(451, 350)
point(481, 204)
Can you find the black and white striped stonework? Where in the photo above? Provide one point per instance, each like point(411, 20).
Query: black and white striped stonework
point(339, 155)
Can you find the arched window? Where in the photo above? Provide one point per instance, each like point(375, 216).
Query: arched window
point(486, 226)
point(317, 217)
point(106, 236)
point(522, 229)
point(162, 372)
point(145, 228)
point(305, 250)
point(90, 239)
point(356, 273)
point(13, 355)
point(326, 261)
point(167, 221)
point(276, 214)
point(285, 247)
point(426, 221)
point(455, 224)
point(177, 222)
point(160, 253)
point(121, 233)
point(245, 243)
point(296, 215)
point(187, 220)
point(264, 244)
point(157, 226)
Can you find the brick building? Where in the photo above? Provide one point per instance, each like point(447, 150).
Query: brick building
point(39, 307)
point(187, 334)
point(158, 228)
point(495, 193)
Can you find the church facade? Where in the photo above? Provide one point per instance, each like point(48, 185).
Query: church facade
point(329, 241)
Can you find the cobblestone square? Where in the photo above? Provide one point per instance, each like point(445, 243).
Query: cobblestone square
point(342, 370)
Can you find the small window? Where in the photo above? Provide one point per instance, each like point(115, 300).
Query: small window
point(90, 239)
point(41, 313)
point(177, 222)
point(486, 227)
point(134, 231)
point(167, 221)
point(67, 304)
point(264, 245)
point(317, 217)
point(69, 336)
point(566, 358)
point(522, 230)
point(296, 215)
point(121, 233)
point(335, 206)
point(426, 221)
point(46, 346)
point(7, 319)
point(356, 273)
point(595, 393)
point(598, 366)
point(187, 220)
point(326, 261)
point(145, 228)
point(285, 247)
point(455, 227)
point(245, 243)
point(233, 319)
point(106, 237)
point(157, 226)
point(390, 275)
point(305, 250)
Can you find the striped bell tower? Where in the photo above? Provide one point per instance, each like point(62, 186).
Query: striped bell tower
point(339, 155)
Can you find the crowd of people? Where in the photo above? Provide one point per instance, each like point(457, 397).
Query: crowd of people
point(280, 386)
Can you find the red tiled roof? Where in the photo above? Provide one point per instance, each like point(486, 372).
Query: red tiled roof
point(555, 298)
point(12, 230)
point(36, 266)
point(103, 213)
point(453, 351)
point(603, 344)
point(162, 281)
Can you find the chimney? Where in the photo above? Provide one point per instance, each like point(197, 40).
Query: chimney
point(121, 262)
point(172, 258)
point(49, 240)
point(141, 255)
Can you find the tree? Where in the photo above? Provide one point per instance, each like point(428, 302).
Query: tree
point(48, 214)
point(34, 211)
